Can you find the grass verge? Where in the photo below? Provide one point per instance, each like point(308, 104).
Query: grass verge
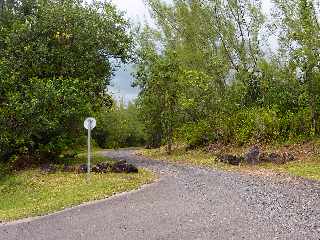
point(306, 166)
point(32, 193)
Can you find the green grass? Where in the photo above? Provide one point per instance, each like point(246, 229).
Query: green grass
point(96, 157)
point(179, 155)
point(32, 193)
point(308, 168)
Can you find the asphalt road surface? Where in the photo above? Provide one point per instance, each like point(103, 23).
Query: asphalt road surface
point(187, 203)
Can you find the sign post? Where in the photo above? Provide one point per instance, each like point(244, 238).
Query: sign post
point(89, 124)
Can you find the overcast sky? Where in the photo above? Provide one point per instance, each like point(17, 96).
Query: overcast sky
point(121, 84)
point(137, 12)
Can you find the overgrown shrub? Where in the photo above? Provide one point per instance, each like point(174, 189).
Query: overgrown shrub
point(55, 64)
point(119, 127)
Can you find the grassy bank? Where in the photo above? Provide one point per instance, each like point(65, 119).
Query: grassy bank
point(33, 193)
point(306, 164)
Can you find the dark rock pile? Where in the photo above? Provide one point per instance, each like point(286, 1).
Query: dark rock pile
point(83, 168)
point(256, 156)
point(104, 167)
point(276, 157)
point(123, 166)
point(230, 159)
point(252, 156)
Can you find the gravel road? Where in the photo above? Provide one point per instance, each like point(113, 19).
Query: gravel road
point(187, 203)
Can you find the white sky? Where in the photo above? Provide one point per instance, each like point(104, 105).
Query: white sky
point(121, 88)
point(135, 9)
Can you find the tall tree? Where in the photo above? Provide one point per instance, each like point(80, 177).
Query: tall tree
point(157, 76)
point(219, 38)
point(56, 62)
point(300, 38)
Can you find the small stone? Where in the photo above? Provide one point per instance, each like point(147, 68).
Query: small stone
point(48, 168)
point(252, 157)
point(123, 166)
point(276, 158)
point(132, 169)
point(288, 157)
point(264, 157)
point(119, 167)
point(95, 169)
point(83, 168)
point(103, 167)
point(230, 159)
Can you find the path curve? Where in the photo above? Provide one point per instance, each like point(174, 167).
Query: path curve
point(187, 203)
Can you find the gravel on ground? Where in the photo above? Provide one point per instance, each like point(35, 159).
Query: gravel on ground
point(187, 203)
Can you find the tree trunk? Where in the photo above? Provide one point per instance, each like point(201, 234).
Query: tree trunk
point(170, 141)
point(313, 96)
point(314, 117)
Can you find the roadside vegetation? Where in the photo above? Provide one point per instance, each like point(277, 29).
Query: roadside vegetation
point(305, 165)
point(207, 73)
point(120, 127)
point(33, 192)
point(56, 60)
point(210, 73)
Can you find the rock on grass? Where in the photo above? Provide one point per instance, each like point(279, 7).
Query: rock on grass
point(230, 159)
point(123, 166)
point(117, 167)
point(48, 168)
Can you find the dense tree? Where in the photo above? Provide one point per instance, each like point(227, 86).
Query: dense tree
point(56, 62)
point(119, 126)
point(225, 87)
point(300, 39)
point(203, 73)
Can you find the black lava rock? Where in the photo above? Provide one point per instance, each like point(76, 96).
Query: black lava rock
point(276, 158)
point(101, 168)
point(132, 169)
point(123, 166)
point(119, 167)
point(83, 168)
point(48, 168)
point(288, 157)
point(230, 159)
point(95, 169)
point(264, 157)
point(252, 157)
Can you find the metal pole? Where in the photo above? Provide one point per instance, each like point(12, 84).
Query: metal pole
point(89, 147)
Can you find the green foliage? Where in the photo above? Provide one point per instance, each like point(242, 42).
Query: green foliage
point(160, 94)
point(301, 40)
point(32, 193)
point(56, 59)
point(196, 134)
point(205, 77)
point(119, 127)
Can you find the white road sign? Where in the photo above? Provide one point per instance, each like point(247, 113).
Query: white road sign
point(90, 123)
